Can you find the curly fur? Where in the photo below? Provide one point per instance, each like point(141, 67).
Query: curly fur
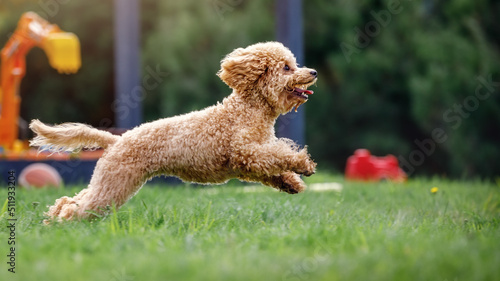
point(233, 139)
point(69, 137)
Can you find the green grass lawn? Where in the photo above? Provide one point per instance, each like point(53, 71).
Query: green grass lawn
point(368, 231)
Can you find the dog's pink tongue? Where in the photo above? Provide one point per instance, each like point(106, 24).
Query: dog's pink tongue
point(309, 92)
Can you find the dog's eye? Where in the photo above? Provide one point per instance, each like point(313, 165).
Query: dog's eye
point(286, 68)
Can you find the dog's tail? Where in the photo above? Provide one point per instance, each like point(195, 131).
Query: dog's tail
point(69, 137)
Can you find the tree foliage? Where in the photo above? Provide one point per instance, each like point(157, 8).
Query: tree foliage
point(411, 67)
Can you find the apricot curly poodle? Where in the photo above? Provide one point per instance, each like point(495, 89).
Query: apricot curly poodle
point(233, 139)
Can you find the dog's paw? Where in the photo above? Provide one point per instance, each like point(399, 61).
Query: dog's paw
point(288, 182)
point(291, 183)
point(304, 165)
point(308, 170)
point(64, 208)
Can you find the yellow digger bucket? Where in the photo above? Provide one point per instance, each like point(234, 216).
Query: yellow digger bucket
point(63, 51)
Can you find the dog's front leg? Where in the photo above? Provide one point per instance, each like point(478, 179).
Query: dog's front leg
point(288, 182)
point(272, 158)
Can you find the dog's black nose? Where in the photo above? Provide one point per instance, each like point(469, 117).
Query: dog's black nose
point(314, 73)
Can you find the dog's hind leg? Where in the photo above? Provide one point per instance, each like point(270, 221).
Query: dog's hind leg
point(112, 185)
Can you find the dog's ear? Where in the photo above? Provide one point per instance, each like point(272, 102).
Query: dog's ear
point(241, 69)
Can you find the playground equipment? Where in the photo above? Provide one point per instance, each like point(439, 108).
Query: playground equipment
point(62, 49)
point(365, 167)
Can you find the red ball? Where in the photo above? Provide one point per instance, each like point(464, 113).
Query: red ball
point(39, 175)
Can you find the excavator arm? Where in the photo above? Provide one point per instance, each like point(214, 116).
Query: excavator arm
point(63, 52)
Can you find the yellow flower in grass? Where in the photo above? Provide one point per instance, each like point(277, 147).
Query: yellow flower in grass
point(434, 190)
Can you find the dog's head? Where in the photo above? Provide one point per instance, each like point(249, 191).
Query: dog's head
point(268, 72)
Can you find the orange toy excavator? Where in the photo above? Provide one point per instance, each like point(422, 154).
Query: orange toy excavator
point(62, 49)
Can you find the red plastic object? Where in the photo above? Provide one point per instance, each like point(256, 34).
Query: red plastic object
point(363, 166)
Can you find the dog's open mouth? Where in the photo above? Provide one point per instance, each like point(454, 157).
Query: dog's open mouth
point(301, 96)
point(304, 94)
point(298, 94)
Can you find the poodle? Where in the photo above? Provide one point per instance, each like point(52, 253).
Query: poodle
point(233, 139)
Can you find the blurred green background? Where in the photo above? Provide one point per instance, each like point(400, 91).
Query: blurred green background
point(417, 79)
